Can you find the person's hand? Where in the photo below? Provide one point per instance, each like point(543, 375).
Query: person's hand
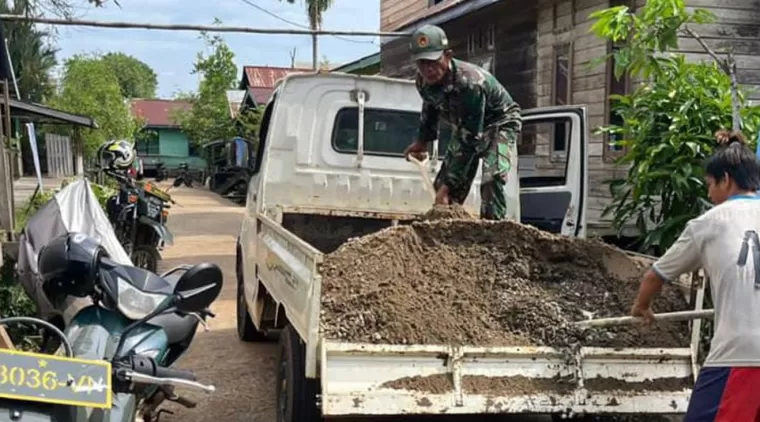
point(646, 313)
point(442, 196)
point(722, 136)
point(416, 149)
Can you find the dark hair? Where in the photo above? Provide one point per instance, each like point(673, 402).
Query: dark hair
point(735, 160)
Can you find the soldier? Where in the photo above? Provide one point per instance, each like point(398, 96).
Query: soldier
point(484, 118)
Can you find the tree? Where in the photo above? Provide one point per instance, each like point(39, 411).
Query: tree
point(669, 120)
point(89, 87)
point(209, 117)
point(32, 57)
point(136, 79)
point(315, 9)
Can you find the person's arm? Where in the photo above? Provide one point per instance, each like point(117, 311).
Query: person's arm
point(473, 122)
point(682, 257)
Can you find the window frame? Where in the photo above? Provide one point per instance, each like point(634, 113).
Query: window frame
point(609, 155)
point(557, 154)
point(367, 152)
point(153, 138)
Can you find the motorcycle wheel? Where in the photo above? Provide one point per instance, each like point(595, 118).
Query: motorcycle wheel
point(146, 257)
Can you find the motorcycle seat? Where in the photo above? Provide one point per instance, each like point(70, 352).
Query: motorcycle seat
point(177, 328)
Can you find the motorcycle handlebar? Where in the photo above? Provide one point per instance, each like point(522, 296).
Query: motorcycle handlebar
point(163, 372)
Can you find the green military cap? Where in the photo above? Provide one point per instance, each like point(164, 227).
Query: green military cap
point(428, 43)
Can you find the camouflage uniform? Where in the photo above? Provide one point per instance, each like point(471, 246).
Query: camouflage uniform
point(485, 123)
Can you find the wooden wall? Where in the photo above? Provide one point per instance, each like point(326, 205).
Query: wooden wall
point(513, 55)
point(528, 34)
point(737, 25)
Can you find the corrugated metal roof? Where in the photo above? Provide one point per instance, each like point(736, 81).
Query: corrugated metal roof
point(260, 80)
point(157, 112)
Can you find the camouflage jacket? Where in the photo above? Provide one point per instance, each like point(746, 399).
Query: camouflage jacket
point(471, 100)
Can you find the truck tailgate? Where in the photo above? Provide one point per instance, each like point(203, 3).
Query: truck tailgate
point(369, 379)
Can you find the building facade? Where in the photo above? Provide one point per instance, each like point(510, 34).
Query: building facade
point(162, 139)
point(542, 52)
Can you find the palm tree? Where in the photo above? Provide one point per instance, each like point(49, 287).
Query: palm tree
point(32, 57)
point(315, 9)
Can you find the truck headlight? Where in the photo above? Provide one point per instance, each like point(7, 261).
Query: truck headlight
point(134, 303)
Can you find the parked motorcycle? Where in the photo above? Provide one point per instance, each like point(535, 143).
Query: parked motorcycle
point(183, 176)
point(120, 349)
point(138, 213)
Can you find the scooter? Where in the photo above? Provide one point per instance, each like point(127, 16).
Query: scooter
point(119, 351)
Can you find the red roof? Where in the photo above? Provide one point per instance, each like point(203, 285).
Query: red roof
point(260, 80)
point(157, 112)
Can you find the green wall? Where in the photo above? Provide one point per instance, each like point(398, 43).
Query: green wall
point(173, 149)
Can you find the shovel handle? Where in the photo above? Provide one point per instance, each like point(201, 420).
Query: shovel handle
point(668, 316)
point(425, 175)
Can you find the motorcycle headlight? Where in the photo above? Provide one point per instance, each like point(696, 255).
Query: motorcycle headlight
point(134, 303)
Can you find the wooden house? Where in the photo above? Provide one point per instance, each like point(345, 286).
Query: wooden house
point(541, 51)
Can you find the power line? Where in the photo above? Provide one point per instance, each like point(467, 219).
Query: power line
point(278, 17)
point(189, 27)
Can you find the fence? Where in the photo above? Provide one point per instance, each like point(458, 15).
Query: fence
point(60, 155)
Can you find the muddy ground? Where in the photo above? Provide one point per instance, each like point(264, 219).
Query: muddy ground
point(490, 284)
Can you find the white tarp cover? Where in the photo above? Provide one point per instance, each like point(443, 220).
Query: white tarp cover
point(74, 209)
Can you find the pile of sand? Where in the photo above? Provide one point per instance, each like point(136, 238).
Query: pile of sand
point(473, 282)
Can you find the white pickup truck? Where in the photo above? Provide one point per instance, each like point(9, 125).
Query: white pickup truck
point(330, 167)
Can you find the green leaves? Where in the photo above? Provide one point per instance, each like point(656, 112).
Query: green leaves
point(136, 79)
point(90, 87)
point(209, 118)
point(669, 120)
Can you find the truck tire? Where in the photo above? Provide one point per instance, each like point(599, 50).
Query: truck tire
point(296, 395)
point(246, 329)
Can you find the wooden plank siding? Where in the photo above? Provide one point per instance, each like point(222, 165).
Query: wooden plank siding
point(514, 52)
point(528, 38)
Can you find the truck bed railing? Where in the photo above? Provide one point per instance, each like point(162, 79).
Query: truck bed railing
point(369, 379)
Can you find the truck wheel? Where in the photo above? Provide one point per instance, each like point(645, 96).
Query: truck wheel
point(245, 327)
point(296, 395)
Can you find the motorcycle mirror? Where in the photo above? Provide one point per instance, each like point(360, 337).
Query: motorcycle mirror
point(199, 287)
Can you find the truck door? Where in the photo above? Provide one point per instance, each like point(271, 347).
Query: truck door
point(553, 169)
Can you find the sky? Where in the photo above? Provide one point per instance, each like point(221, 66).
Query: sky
point(171, 53)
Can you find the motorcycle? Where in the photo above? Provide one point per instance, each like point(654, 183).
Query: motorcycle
point(119, 351)
point(184, 176)
point(138, 213)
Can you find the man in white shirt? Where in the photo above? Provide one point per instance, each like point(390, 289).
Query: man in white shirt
point(725, 242)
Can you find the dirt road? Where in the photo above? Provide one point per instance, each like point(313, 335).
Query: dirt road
point(205, 229)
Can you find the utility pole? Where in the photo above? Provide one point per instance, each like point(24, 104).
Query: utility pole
point(293, 58)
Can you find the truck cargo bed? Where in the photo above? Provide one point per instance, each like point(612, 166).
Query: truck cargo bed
point(366, 379)
point(377, 379)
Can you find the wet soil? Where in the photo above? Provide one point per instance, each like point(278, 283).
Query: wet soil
point(661, 384)
point(472, 282)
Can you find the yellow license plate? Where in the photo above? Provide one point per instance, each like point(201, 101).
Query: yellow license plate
point(54, 379)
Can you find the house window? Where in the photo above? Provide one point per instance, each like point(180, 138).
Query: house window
point(481, 39)
point(147, 143)
point(192, 150)
point(561, 92)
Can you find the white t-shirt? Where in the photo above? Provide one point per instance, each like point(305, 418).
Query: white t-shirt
point(724, 242)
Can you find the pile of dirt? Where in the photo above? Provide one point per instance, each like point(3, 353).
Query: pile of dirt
point(473, 282)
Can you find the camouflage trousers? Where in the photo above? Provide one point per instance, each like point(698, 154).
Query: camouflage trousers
point(460, 165)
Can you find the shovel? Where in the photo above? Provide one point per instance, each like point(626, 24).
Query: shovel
point(425, 175)
point(629, 320)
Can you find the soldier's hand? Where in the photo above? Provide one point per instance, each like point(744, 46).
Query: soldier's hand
point(442, 196)
point(416, 149)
